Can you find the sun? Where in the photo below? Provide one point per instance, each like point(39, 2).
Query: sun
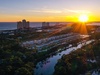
point(83, 18)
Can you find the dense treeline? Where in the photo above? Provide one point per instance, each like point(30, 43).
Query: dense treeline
point(80, 61)
point(14, 60)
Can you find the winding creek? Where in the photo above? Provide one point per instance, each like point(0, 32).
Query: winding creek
point(46, 67)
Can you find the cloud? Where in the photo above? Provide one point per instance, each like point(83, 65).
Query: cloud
point(77, 11)
point(45, 11)
point(59, 11)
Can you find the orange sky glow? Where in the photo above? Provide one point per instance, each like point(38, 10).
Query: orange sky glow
point(48, 10)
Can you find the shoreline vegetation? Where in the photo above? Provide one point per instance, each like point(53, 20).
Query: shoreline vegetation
point(18, 60)
point(82, 61)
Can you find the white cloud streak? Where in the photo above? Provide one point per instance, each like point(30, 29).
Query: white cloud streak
point(45, 11)
point(52, 11)
point(77, 11)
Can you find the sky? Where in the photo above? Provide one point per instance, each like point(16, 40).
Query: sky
point(48, 10)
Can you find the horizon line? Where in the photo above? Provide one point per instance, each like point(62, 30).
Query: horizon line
point(49, 21)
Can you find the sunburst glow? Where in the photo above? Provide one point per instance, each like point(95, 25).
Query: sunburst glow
point(83, 18)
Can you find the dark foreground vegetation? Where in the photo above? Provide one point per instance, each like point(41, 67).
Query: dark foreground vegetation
point(14, 60)
point(80, 61)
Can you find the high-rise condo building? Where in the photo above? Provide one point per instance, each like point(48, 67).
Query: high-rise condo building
point(23, 24)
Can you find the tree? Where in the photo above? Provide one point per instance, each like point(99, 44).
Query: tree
point(22, 71)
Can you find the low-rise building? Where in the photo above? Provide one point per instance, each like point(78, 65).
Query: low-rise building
point(45, 24)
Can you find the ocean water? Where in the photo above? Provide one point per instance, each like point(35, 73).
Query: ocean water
point(13, 25)
point(8, 26)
